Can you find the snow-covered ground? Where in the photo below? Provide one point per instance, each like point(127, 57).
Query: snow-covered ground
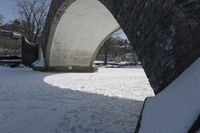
point(108, 101)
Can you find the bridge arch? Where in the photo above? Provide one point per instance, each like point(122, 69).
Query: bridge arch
point(77, 34)
point(164, 34)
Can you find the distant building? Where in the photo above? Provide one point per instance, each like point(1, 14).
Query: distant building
point(16, 35)
point(11, 34)
point(10, 43)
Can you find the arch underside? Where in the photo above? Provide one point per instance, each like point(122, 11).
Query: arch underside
point(164, 33)
point(78, 34)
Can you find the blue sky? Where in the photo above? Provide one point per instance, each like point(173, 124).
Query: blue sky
point(7, 9)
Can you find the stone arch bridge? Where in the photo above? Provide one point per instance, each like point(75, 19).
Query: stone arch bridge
point(164, 33)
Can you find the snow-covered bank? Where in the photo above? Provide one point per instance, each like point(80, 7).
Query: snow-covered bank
point(106, 101)
point(176, 108)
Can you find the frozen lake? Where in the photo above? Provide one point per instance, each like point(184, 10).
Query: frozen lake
point(108, 101)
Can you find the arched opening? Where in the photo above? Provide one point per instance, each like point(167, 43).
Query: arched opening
point(160, 36)
point(78, 31)
point(117, 51)
point(81, 31)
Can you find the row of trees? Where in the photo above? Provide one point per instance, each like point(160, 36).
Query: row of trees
point(31, 18)
point(117, 49)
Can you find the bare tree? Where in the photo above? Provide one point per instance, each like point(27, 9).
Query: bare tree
point(32, 15)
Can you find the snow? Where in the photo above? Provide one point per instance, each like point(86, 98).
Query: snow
point(39, 62)
point(176, 108)
point(108, 101)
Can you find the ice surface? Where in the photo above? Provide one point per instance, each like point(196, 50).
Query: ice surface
point(108, 101)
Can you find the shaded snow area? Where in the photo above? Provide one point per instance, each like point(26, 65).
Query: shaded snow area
point(176, 108)
point(108, 101)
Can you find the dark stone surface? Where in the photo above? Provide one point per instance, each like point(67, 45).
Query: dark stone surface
point(164, 33)
point(30, 52)
point(196, 126)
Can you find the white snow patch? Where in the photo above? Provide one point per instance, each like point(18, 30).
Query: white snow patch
point(106, 101)
point(110, 82)
point(39, 63)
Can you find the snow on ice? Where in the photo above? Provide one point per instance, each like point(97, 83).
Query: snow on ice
point(108, 101)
